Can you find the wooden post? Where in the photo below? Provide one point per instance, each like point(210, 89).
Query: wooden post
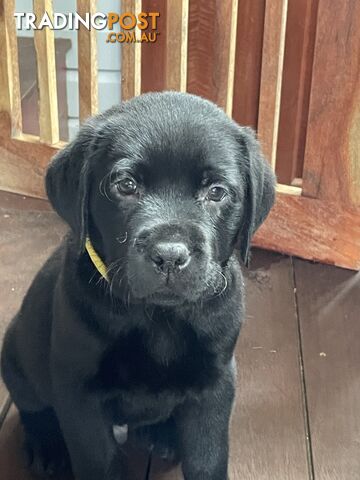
point(332, 158)
point(271, 76)
point(88, 66)
point(46, 67)
point(131, 57)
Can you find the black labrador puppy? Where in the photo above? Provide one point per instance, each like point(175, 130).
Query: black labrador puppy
point(129, 329)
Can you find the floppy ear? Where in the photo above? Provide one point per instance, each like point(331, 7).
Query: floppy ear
point(67, 181)
point(260, 184)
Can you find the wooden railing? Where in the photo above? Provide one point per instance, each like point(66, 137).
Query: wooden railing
point(239, 54)
point(173, 59)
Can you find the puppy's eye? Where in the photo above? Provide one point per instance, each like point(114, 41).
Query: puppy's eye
point(215, 194)
point(127, 186)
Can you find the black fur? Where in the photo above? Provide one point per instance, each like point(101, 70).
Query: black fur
point(164, 185)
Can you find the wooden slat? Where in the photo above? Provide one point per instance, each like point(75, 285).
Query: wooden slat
point(154, 55)
point(10, 101)
point(267, 431)
point(250, 29)
point(211, 37)
point(29, 87)
point(271, 76)
point(296, 84)
point(329, 306)
point(332, 155)
point(232, 50)
point(288, 189)
point(46, 67)
point(312, 229)
point(88, 65)
point(131, 57)
point(177, 44)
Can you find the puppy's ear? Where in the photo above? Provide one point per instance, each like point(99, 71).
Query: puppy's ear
point(260, 184)
point(67, 181)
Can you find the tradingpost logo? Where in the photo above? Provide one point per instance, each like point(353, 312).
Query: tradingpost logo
point(123, 27)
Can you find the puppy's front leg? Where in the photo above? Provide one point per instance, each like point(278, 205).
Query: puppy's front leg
point(203, 429)
point(89, 437)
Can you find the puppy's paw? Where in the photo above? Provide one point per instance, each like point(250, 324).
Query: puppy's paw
point(44, 446)
point(160, 439)
point(46, 459)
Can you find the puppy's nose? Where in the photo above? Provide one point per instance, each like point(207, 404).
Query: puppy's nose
point(170, 256)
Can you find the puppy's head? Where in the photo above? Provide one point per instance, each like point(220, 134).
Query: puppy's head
point(164, 185)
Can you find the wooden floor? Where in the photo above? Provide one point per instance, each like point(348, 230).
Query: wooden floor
point(297, 413)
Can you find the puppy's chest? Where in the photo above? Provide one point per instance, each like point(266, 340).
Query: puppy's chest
point(162, 360)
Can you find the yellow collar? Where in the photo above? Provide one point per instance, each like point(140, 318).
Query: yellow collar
point(98, 263)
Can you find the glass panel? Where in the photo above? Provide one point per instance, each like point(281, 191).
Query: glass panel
point(109, 60)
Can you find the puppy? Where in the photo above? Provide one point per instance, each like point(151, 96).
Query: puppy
point(129, 329)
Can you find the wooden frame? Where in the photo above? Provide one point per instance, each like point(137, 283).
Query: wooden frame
point(319, 218)
point(45, 54)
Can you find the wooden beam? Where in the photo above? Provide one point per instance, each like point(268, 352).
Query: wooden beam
point(88, 67)
point(10, 100)
point(46, 67)
point(313, 229)
point(271, 76)
point(131, 57)
point(177, 44)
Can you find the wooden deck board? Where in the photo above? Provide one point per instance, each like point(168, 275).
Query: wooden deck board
point(329, 306)
point(28, 233)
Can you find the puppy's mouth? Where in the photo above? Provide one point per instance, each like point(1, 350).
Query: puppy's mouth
point(165, 299)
